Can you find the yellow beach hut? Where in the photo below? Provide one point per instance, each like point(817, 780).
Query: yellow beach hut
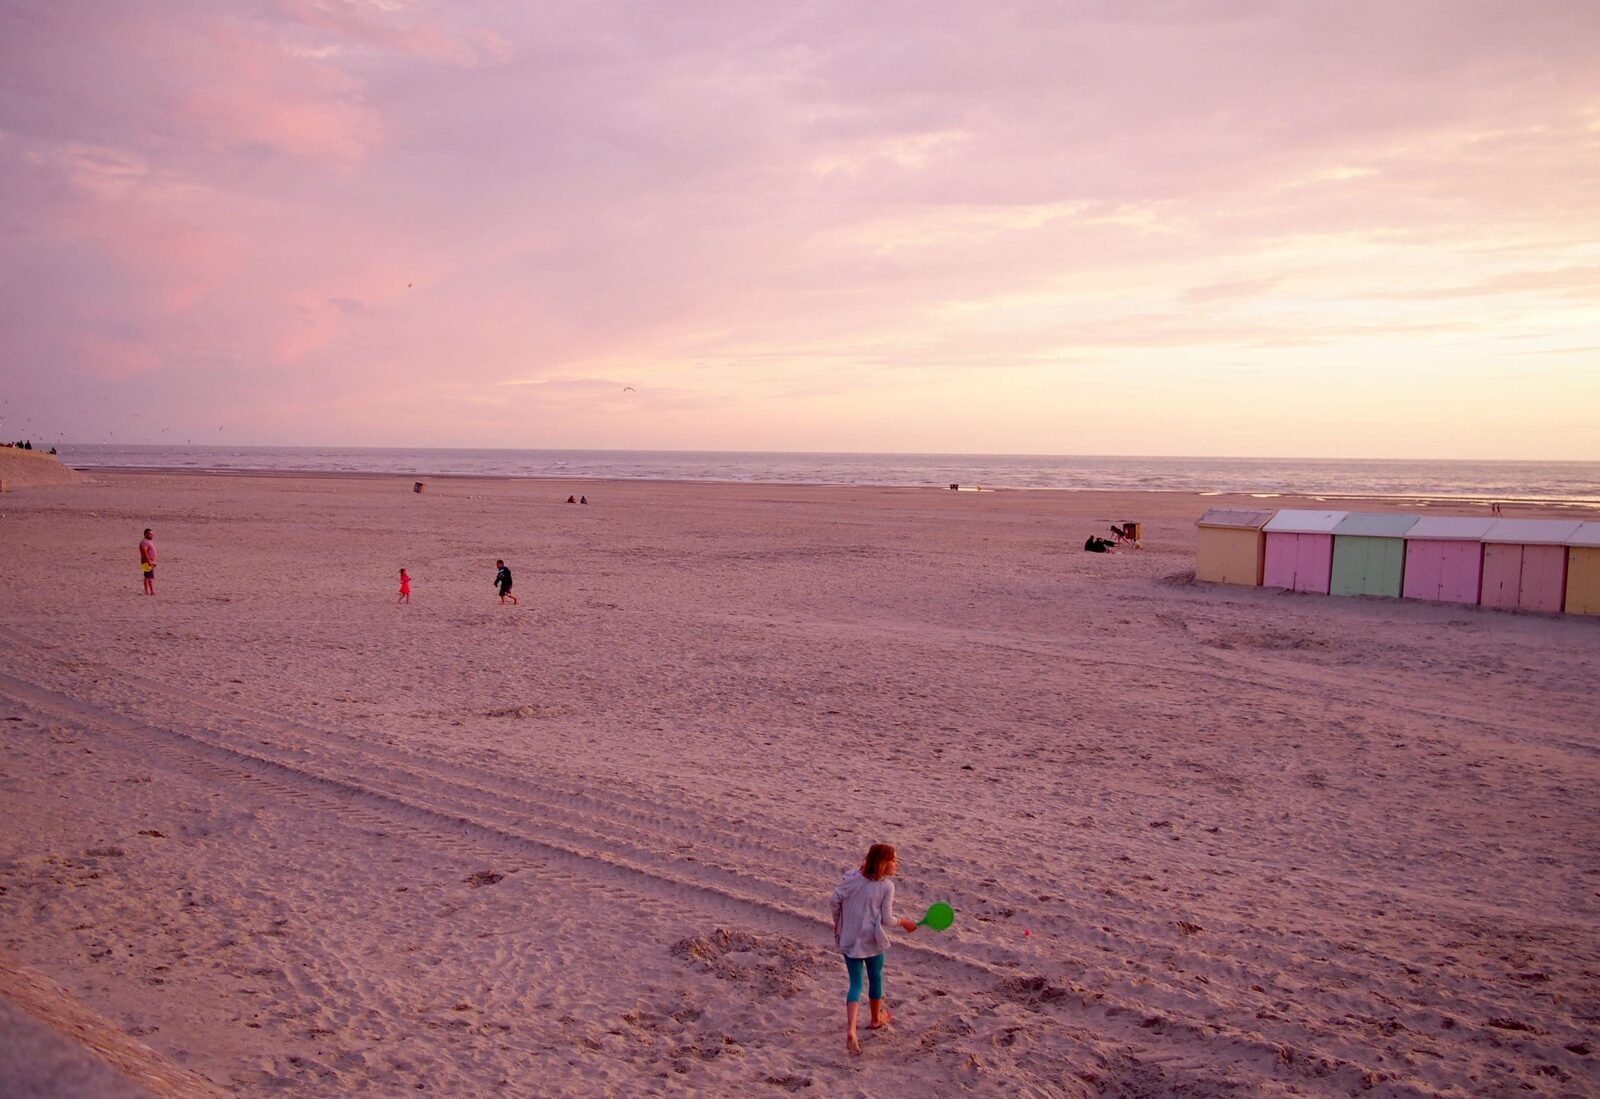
point(1583, 570)
point(1230, 546)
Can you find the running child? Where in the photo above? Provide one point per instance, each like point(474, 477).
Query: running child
point(502, 581)
point(405, 587)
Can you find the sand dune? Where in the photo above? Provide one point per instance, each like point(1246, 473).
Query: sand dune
point(1202, 841)
point(34, 468)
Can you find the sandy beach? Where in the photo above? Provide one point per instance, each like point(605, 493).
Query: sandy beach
point(1202, 841)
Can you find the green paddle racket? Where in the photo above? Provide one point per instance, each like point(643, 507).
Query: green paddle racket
point(939, 917)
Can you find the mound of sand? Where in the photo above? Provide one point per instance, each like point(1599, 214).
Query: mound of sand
point(33, 468)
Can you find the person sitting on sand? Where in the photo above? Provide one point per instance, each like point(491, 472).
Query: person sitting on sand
point(405, 587)
point(1096, 544)
point(502, 580)
point(863, 903)
point(147, 561)
point(572, 499)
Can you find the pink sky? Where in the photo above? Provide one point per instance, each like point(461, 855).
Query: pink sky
point(1236, 227)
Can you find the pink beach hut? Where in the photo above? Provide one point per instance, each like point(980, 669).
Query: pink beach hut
point(1444, 558)
point(1583, 570)
point(1299, 554)
point(1229, 546)
point(1525, 564)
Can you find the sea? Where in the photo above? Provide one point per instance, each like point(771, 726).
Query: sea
point(1574, 484)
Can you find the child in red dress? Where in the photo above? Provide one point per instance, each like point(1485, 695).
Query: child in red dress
point(405, 587)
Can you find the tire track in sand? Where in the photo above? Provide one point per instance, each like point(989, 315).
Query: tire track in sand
point(339, 771)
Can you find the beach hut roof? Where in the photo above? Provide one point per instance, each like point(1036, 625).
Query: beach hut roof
point(1532, 532)
point(1451, 528)
point(1239, 518)
point(1376, 524)
point(1587, 534)
point(1303, 521)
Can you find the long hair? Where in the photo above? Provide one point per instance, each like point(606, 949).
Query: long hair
point(879, 856)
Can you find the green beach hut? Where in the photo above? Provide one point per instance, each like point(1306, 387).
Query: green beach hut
point(1369, 554)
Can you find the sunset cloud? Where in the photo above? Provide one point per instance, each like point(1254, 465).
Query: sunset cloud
point(913, 212)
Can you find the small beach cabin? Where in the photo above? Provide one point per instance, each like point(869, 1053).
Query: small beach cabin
point(1369, 554)
point(1444, 558)
point(1525, 564)
point(1583, 570)
point(1299, 549)
point(1230, 546)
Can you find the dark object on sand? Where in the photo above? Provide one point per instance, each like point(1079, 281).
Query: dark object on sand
point(955, 488)
point(1096, 544)
point(416, 486)
point(572, 499)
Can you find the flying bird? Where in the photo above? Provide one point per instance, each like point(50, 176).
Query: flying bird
point(629, 389)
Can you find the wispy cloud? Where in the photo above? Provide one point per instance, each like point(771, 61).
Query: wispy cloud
point(797, 225)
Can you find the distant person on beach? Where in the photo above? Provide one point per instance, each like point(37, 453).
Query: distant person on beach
point(405, 587)
point(572, 499)
point(502, 580)
point(583, 499)
point(147, 561)
point(1096, 544)
point(863, 904)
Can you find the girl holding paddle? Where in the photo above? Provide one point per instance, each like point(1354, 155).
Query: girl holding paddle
point(863, 903)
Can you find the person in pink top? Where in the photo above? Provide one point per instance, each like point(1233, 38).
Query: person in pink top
point(405, 587)
point(147, 561)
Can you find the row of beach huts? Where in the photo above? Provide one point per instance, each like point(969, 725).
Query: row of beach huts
point(1547, 565)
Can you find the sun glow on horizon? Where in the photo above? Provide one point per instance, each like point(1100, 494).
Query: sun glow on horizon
point(403, 226)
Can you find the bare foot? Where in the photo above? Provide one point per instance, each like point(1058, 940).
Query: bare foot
point(852, 1043)
point(882, 1021)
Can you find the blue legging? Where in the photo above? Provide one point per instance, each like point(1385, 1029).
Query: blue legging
point(873, 968)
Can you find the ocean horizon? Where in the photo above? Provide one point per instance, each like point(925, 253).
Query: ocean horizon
point(1570, 483)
